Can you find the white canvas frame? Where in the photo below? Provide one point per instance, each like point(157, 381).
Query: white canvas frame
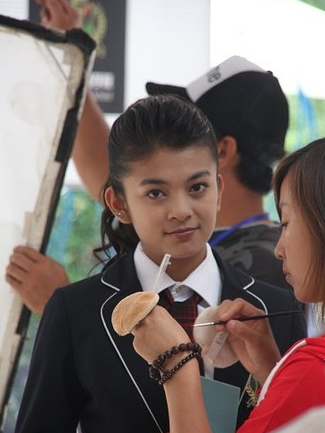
point(43, 80)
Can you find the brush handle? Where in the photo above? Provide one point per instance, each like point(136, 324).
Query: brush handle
point(246, 319)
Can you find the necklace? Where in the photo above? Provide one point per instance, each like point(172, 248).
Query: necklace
point(214, 241)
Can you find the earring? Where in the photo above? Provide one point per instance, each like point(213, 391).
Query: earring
point(120, 214)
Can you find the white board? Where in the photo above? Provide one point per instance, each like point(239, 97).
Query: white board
point(43, 80)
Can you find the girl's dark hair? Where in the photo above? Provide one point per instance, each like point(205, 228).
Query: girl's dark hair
point(305, 170)
point(152, 123)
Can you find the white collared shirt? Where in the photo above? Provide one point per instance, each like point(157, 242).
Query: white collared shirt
point(204, 280)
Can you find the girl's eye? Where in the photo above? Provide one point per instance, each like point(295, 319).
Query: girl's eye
point(155, 193)
point(199, 187)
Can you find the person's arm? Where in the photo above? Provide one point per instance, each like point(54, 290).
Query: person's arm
point(154, 335)
point(252, 342)
point(90, 148)
point(185, 402)
point(34, 277)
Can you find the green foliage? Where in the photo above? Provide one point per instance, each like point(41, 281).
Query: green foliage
point(304, 126)
point(76, 232)
point(320, 4)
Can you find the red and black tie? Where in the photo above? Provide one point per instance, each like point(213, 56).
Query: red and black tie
point(184, 312)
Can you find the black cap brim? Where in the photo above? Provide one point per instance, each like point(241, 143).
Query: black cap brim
point(161, 89)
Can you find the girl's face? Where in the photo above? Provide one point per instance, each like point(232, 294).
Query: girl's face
point(294, 247)
point(172, 199)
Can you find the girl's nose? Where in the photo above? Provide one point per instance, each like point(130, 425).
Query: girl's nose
point(180, 209)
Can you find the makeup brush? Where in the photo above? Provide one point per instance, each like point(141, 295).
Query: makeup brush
point(246, 319)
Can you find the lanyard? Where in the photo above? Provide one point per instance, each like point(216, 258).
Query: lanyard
point(214, 241)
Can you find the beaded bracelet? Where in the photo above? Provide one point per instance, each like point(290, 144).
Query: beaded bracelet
point(156, 370)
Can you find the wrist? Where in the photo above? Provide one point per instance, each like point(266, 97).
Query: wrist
point(264, 372)
point(168, 363)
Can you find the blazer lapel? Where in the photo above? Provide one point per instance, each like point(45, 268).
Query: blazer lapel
point(121, 280)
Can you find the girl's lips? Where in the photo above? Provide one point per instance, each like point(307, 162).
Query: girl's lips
point(182, 233)
point(183, 230)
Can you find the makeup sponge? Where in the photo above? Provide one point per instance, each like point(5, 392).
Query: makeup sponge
point(216, 350)
point(131, 310)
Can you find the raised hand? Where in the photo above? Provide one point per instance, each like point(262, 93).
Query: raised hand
point(252, 341)
point(59, 14)
point(34, 276)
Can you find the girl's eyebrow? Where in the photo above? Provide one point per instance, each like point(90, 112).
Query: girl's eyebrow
point(199, 174)
point(153, 181)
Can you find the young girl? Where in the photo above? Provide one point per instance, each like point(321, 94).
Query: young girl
point(162, 197)
point(297, 383)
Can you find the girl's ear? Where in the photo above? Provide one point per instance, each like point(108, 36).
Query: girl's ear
point(117, 206)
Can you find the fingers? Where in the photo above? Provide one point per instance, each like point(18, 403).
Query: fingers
point(231, 309)
point(56, 6)
point(34, 276)
point(29, 253)
point(252, 341)
point(59, 14)
point(45, 16)
point(251, 334)
point(14, 276)
point(247, 335)
point(14, 281)
point(21, 261)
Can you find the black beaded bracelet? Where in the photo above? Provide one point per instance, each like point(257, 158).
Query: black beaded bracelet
point(156, 370)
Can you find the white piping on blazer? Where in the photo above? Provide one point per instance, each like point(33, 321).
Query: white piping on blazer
point(121, 357)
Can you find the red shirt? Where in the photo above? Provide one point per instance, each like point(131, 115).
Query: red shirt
point(296, 384)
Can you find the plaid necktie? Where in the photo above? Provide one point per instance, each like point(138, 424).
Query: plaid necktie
point(184, 312)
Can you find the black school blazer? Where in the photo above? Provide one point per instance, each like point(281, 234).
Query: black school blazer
point(82, 372)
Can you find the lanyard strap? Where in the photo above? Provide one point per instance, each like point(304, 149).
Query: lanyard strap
point(214, 241)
